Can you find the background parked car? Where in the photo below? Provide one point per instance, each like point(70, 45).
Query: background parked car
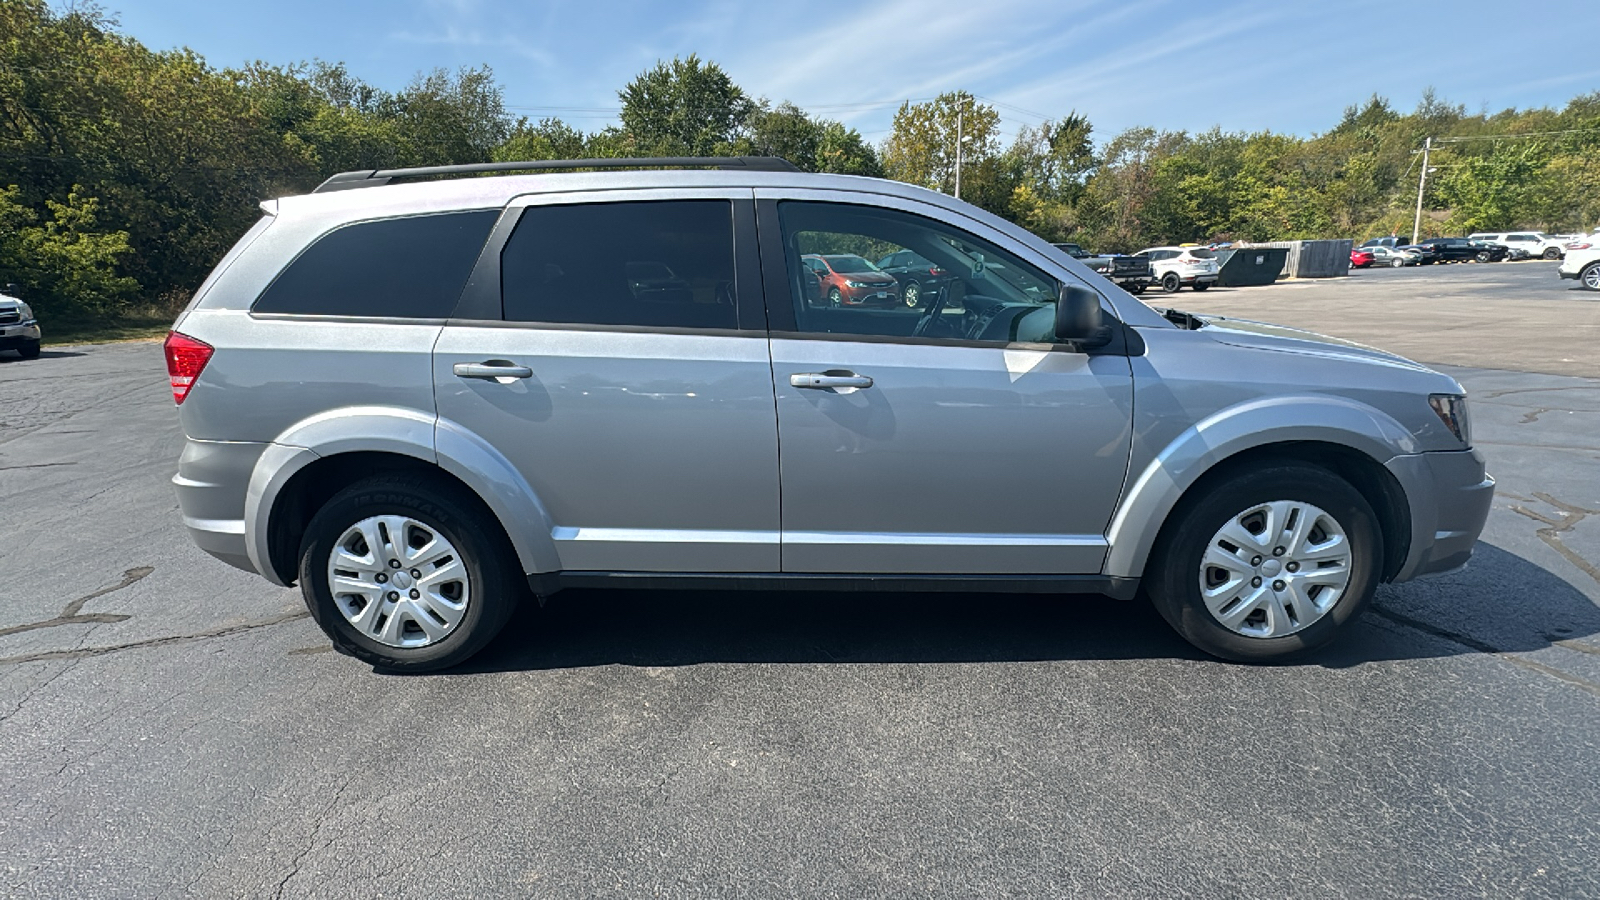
point(1459, 249)
point(1131, 273)
point(1393, 256)
point(1174, 267)
point(1524, 244)
point(1361, 257)
point(1583, 263)
point(918, 278)
point(849, 280)
point(19, 330)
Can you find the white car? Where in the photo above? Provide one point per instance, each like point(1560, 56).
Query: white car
point(1583, 262)
point(1174, 267)
point(1524, 244)
point(19, 330)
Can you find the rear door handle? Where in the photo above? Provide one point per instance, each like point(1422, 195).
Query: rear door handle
point(493, 369)
point(829, 380)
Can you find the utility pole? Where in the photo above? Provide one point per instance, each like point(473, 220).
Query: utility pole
point(1422, 181)
point(959, 110)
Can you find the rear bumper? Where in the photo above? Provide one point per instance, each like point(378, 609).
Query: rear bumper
point(212, 480)
point(1199, 278)
point(1449, 495)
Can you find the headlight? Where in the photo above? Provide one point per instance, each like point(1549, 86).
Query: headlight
point(1452, 410)
point(859, 284)
point(26, 310)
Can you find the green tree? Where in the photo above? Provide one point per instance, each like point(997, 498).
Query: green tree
point(922, 148)
point(684, 108)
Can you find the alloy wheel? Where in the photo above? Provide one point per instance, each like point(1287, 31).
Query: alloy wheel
point(398, 581)
point(1275, 569)
point(912, 295)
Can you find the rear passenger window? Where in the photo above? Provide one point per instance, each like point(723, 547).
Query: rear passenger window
point(410, 268)
point(661, 264)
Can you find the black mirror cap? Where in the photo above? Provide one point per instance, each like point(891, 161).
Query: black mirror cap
point(1078, 315)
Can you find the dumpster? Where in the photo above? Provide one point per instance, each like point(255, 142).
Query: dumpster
point(1250, 266)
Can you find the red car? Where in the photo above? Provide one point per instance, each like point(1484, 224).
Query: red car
point(848, 280)
point(1360, 259)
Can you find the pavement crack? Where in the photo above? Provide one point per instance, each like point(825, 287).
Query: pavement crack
point(1554, 528)
point(1467, 641)
point(71, 614)
point(153, 642)
point(37, 465)
point(1529, 418)
point(311, 842)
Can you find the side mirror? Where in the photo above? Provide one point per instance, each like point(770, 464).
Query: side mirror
point(1078, 316)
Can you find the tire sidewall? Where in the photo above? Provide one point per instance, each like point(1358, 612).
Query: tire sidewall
point(1175, 584)
point(487, 606)
point(1170, 282)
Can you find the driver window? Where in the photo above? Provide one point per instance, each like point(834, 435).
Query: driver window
point(871, 271)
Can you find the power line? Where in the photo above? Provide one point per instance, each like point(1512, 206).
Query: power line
point(1511, 137)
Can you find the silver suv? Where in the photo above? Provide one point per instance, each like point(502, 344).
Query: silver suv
point(426, 401)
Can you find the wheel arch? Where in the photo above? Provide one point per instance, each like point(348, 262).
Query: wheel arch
point(1192, 463)
point(314, 460)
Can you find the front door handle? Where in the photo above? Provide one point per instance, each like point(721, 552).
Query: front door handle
point(829, 380)
point(495, 369)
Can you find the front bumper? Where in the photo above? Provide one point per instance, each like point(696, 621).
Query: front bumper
point(212, 481)
point(886, 295)
point(14, 337)
point(1449, 494)
point(1571, 276)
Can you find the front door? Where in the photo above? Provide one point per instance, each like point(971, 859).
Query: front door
point(954, 438)
point(610, 361)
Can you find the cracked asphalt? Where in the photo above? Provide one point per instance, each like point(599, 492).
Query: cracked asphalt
point(171, 727)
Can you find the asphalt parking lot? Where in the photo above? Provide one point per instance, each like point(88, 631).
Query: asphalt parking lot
point(171, 727)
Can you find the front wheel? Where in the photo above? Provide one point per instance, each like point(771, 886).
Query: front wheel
point(1268, 564)
point(1170, 282)
point(1484, 256)
point(29, 350)
point(1591, 277)
point(912, 295)
point(834, 297)
point(403, 574)
point(1399, 263)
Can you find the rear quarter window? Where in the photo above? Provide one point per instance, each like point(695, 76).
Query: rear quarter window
point(412, 268)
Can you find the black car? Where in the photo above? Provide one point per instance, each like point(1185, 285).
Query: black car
point(1455, 249)
point(919, 279)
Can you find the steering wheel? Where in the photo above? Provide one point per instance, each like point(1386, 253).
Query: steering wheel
point(941, 299)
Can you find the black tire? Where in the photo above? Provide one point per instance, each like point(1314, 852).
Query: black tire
point(1172, 579)
point(1552, 253)
point(911, 295)
point(1170, 282)
point(1135, 288)
point(491, 564)
point(1590, 276)
point(1202, 285)
point(834, 297)
point(29, 351)
point(1484, 256)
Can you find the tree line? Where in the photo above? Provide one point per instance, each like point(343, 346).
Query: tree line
point(126, 173)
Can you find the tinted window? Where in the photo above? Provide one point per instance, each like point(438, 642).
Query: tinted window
point(974, 291)
point(666, 263)
point(411, 268)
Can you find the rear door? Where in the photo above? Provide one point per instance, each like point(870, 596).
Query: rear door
point(613, 348)
point(947, 440)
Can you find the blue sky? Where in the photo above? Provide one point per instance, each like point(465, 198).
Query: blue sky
point(1288, 66)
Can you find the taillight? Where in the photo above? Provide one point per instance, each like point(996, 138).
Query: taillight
point(935, 271)
point(1578, 245)
point(186, 358)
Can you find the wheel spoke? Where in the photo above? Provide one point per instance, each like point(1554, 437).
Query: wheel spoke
point(1333, 548)
point(430, 626)
point(1236, 534)
point(450, 571)
point(1234, 618)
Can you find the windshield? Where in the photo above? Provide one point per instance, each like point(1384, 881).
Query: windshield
point(851, 265)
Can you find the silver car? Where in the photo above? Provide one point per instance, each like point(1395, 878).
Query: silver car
point(425, 401)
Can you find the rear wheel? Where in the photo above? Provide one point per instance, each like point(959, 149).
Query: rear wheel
point(1268, 564)
point(1134, 288)
point(1170, 282)
point(403, 574)
point(1591, 277)
point(1202, 285)
point(912, 295)
point(1552, 253)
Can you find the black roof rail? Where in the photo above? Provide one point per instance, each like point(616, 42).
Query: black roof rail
point(345, 181)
